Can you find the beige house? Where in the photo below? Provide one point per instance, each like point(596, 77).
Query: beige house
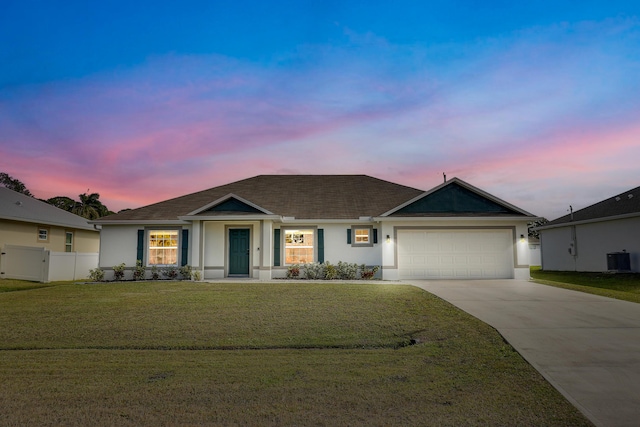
point(30, 223)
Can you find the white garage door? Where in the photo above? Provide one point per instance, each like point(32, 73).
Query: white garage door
point(455, 254)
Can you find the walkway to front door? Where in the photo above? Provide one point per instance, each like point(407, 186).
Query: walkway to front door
point(239, 252)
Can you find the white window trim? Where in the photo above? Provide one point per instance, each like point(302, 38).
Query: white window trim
point(147, 246)
point(47, 232)
point(354, 243)
point(65, 241)
point(283, 242)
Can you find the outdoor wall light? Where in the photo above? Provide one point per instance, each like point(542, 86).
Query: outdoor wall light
point(388, 239)
point(522, 238)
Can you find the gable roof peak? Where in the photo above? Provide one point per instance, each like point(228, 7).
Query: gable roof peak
point(456, 197)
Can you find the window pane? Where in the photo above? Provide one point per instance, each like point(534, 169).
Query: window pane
point(163, 247)
point(68, 243)
point(362, 235)
point(43, 234)
point(299, 246)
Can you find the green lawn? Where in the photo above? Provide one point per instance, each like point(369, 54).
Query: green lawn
point(167, 353)
point(624, 286)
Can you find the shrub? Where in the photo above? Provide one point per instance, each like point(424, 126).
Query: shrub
point(140, 272)
point(118, 272)
point(96, 274)
point(347, 271)
point(186, 272)
point(293, 272)
point(170, 273)
point(314, 271)
point(196, 275)
point(368, 273)
point(330, 271)
point(155, 274)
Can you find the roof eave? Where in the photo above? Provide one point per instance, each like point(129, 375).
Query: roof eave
point(139, 222)
point(51, 223)
point(456, 218)
point(588, 221)
point(256, 217)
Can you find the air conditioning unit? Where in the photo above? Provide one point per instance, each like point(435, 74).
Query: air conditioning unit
point(618, 261)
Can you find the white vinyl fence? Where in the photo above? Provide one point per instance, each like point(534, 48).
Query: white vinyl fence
point(42, 265)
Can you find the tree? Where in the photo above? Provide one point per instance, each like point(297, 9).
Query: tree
point(90, 206)
point(63, 202)
point(534, 224)
point(13, 184)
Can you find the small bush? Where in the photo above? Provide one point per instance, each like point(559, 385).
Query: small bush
point(186, 272)
point(314, 271)
point(155, 274)
point(140, 272)
point(118, 272)
point(347, 271)
point(170, 273)
point(96, 274)
point(368, 273)
point(330, 271)
point(293, 272)
point(196, 275)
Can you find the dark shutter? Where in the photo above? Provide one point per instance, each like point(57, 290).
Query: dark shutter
point(320, 245)
point(185, 247)
point(375, 235)
point(140, 251)
point(348, 236)
point(276, 247)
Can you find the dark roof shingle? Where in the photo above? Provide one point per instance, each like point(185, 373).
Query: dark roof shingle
point(299, 196)
point(625, 203)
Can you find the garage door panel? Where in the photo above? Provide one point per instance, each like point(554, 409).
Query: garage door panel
point(464, 254)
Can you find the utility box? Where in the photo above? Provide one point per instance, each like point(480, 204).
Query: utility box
point(618, 261)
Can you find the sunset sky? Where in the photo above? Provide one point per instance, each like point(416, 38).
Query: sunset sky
point(535, 102)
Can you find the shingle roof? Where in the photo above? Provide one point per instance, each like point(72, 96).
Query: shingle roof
point(18, 207)
point(299, 196)
point(626, 203)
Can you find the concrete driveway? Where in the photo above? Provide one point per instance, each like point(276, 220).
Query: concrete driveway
point(587, 346)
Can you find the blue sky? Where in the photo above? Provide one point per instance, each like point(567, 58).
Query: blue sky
point(537, 103)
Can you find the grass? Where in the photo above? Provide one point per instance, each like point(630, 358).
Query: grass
point(166, 353)
point(623, 286)
point(11, 285)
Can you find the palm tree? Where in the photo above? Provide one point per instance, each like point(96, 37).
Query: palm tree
point(90, 207)
point(13, 184)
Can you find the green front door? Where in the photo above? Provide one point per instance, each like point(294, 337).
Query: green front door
point(239, 252)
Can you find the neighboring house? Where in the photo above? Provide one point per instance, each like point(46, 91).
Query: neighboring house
point(259, 226)
point(590, 238)
point(31, 223)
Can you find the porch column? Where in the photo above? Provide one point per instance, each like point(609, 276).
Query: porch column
point(266, 249)
point(196, 254)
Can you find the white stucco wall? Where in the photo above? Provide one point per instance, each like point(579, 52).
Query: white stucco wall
point(535, 256)
point(337, 248)
point(118, 244)
point(593, 242)
point(215, 248)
